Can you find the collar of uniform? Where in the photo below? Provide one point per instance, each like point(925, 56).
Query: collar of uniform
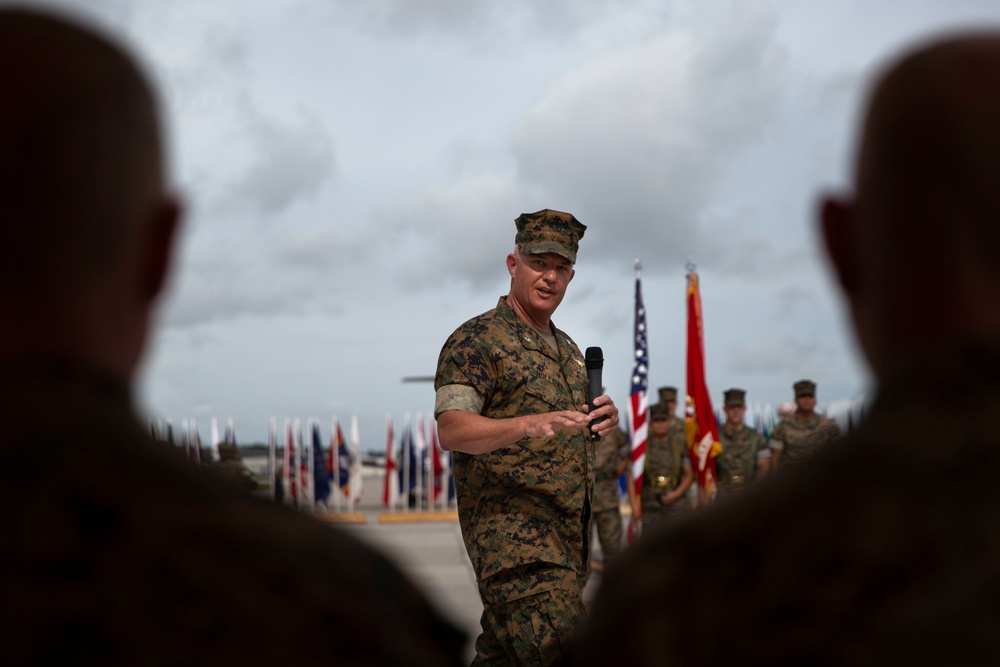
point(528, 336)
point(947, 370)
point(732, 429)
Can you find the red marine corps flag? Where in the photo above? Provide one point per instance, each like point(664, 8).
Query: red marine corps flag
point(702, 429)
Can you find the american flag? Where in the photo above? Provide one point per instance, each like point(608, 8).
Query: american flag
point(638, 406)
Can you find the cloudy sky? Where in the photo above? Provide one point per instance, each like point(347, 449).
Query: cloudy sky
point(352, 170)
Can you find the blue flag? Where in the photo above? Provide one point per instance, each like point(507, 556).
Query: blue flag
point(321, 476)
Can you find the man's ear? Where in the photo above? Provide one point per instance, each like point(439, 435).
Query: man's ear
point(511, 263)
point(837, 227)
point(160, 246)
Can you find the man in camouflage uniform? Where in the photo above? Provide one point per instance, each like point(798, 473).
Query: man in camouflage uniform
point(884, 549)
point(612, 460)
point(745, 455)
point(667, 474)
point(511, 394)
point(799, 436)
point(119, 550)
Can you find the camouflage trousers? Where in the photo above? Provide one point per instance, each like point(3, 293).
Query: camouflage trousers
point(529, 616)
point(654, 514)
point(609, 532)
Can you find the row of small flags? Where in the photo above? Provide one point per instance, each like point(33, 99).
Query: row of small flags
point(418, 474)
point(421, 477)
point(310, 477)
point(190, 441)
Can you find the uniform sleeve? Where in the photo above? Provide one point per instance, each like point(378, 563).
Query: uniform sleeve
point(777, 440)
point(763, 451)
point(464, 361)
point(457, 397)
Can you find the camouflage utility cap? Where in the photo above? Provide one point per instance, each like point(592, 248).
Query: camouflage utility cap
point(659, 411)
point(734, 398)
point(804, 388)
point(668, 394)
point(549, 231)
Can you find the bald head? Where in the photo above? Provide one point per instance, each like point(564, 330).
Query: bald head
point(85, 220)
point(929, 163)
point(80, 155)
point(918, 249)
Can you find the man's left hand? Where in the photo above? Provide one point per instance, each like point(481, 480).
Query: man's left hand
point(603, 407)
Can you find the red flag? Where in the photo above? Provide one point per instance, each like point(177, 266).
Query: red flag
point(289, 470)
point(390, 489)
point(703, 431)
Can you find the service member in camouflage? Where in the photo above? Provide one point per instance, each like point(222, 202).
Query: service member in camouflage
point(119, 551)
point(667, 474)
point(511, 394)
point(745, 454)
point(612, 460)
point(800, 435)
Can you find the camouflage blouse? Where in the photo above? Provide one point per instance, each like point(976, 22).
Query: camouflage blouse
point(737, 462)
point(799, 440)
point(528, 502)
point(665, 460)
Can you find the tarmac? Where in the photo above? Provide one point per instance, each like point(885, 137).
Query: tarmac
point(428, 546)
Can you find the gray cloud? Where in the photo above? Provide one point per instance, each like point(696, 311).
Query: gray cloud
point(453, 234)
point(636, 143)
point(641, 140)
point(788, 355)
point(491, 20)
point(290, 162)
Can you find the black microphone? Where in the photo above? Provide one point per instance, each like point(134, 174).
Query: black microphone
point(595, 364)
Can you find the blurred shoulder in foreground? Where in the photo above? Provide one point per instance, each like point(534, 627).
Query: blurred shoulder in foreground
point(117, 550)
point(883, 548)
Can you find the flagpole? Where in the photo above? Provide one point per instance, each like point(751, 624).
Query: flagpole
point(307, 453)
point(335, 458)
point(638, 407)
point(214, 434)
point(407, 447)
point(389, 492)
point(297, 461)
point(426, 469)
point(355, 479)
point(418, 474)
point(703, 436)
point(272, 443)
point(196, 442)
